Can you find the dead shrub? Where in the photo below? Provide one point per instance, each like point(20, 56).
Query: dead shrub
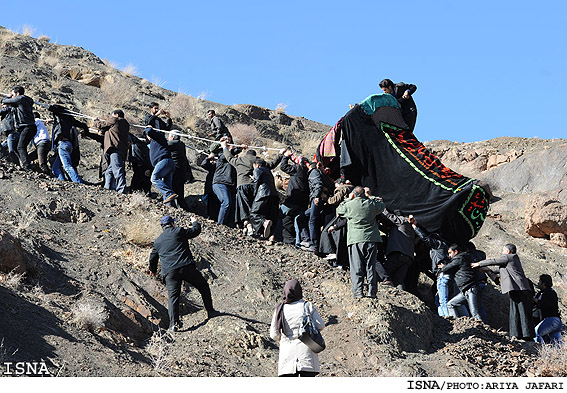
point(130, 69)
point(44, 38)
point(57, 83)
point(280, 108)
point(159, 348)
point(245, 134)
point(182, 105)
point(552, 360)
point(28, 30)
point(12, 280)
point(309, 144)
point(141, 230)
point(89, 315)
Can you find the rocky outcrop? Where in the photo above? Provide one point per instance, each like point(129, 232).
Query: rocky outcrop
point(12, 255)
point(545, 216)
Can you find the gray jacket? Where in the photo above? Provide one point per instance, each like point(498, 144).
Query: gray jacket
point(512, 277)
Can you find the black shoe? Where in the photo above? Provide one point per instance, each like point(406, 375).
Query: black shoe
point(212, 314)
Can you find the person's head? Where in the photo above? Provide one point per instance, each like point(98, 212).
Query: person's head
point(154, 107)
point(36, 115)
point(174, 137)
point(118, 113)
point(341, 180)
point(292, 291)
point(453, 250)
point(18, 91)
point(259, 162)
point(251, 152)
point(471, 246)
point(545, 282)
point(509, 249)
point(358, 192)
point(210, 113)
point(387, 86)
point(167, 222)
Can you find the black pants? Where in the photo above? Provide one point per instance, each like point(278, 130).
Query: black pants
point(520, 314)
point(26, 135)
point(261, 210)
point(173, 282)
point(178, 186)
point(140, 182)
point(397, 265)
point(301, 374)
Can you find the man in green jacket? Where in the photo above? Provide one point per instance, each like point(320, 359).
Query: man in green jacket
point(361, 212)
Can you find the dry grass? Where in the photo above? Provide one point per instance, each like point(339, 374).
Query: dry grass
point(5, 354)
point(552, 360)
point(159, 347)
point(110, 63)
point(245, 134)
point(57, 83)
point(281, 107)
point(182, 105)
point(28, 30)
point(44, 38)
point(156, 80)
point(12, 280)
point(141, 230)
point(89, 315)
point(130, 69)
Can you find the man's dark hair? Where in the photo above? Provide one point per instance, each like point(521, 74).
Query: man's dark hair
point(36, 115)
point(18, 89)
point(211, 111)
point(119, 113)
point(251, 152)
point(260, 162)
point(340, 180)
point(471, 246)
point(546, 279)
point(359, 191)
point(510, 247)
point(386, 83)
point(456, 247)
point(152, 104)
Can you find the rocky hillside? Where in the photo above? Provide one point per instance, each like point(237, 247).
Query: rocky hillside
point(75, 295)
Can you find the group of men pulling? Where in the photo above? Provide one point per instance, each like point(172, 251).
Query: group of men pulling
point(334, 219)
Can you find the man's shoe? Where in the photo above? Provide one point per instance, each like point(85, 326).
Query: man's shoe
point(331, 257)
point(170, 198)
point(305, 244)
point(212, 314)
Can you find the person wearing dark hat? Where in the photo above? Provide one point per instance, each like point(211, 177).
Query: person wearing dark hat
point(178, 265)
point(296, 359)
point(25, 122)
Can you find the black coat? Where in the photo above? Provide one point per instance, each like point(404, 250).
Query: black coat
point(460, 266)
point(437, 249)
point(139, 152)
point(172, 248)
point(408, 106)
point(265, 185)
point(179, 155)
point(159, 149)
point(209, 165)
point(224, 172)
point(8, 116)
point(24, 110)
point(62, 125)
point(297, 193)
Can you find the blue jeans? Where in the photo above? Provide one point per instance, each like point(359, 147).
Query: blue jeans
point(225, 195)
point(162, 177)
point(64, 149)
point(115, 175)
point(12, 141)
point(443, 294)
point(471, 297)
point(550, 327)
point(301, 231)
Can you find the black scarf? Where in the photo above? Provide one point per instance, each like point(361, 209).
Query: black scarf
point(292, 293)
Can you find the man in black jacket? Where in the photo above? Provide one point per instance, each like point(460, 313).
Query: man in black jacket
point(403, 93)
point(25, 122)
point(65, 138)
point(548, 329)
point(8, 115)
point(154, 120)
point(460, 265)
point(139, 158)
point(179, 157)
point(218, 128)
point(224, 186)
point(160, 157)
point(178, 265)
point(264, 209)
point(296, 195)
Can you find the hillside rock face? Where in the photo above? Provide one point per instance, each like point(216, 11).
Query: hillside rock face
point(12, 255)
point(546, 215)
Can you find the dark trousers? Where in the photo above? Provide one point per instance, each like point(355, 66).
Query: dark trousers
point(178, 185)
point(397, 265)
point(140, 182)
point(301, 374)
point(26, 135)
point(244, 200)
point(263, 209)
point(520, 314)
point(173, 282)
point(362, 258)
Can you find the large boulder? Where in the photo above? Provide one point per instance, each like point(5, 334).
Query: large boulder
point(546, 215)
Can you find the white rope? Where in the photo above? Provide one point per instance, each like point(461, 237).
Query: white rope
point(78, 114)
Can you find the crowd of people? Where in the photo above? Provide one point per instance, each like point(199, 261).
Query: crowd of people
point(299, 205)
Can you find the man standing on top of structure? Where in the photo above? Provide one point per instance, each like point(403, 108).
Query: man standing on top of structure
point(403, 93)
point(218, 128)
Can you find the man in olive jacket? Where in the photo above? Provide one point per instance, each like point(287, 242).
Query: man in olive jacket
point(513, 281)
point(361, 212)
point(178, 265)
